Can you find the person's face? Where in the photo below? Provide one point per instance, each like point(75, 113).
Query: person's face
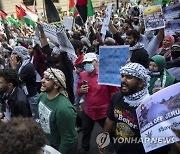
point(55, 55)
point(130, 40)
point(48, 85)
point(153, 67)
point(130, 84)
point(175, 52)
point(99, 27)
point(126, 27)
point(94, 63)
point(55, 58)
point(15, 55)
point(2, 38)
point(6, 55)
point(3, 84)
point(166, 43)
point(116, 20)
point(30, 49)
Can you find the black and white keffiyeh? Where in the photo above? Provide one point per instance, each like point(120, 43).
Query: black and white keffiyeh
point(57, 34)
point(24, 54)
point(139, 71)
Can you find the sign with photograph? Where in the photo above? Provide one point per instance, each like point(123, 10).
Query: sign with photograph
point(157, 115)
point(153, 18)
point(172, 19)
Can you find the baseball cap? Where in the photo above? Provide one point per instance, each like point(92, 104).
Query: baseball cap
point(90, 57)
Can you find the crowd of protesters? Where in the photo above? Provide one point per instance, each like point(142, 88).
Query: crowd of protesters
point(41, 82)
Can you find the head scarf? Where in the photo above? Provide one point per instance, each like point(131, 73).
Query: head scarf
point(166, 77)
point(24, 54)
point(139, 71)
point(136, 70)
point(166, 52)
point(171, 38)
point(59, 78)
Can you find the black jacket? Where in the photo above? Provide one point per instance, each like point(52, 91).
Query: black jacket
point(18, 104)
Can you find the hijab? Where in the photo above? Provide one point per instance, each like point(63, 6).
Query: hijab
point(166, 51)
point(166, 77)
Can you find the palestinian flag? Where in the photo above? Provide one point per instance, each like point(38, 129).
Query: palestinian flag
point(90, 8)
point(26, 16)
point(72, 6)
point(31, 14)
point(23, 17)
point(9, 19)
point(84, 7)
point(20, 13)
point(51, 12)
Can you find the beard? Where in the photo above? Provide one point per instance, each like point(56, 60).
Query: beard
point(131, 44)
point(126, 89)
point(47, 89)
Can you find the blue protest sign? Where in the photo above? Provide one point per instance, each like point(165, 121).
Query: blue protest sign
point(111, 59)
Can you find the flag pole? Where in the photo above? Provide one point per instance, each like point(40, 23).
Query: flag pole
point(44, 11)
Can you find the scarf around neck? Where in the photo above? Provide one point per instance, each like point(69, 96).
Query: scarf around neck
point(135, 99)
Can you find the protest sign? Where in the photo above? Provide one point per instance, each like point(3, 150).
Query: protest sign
point(157, 115)
point(153, 17)
point(111, 59)
point(68, 22)
point(172, 19)
point(106, 20)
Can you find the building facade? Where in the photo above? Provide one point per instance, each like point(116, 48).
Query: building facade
point(9, 5)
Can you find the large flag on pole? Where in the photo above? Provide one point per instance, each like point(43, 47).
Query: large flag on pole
point(31, 14)
point(81, 6)
point(51, 12)
point(85, 9)
point(90, 9)
point(24, 17)
point(20, 13)
point(72, 5)
point(9, 19)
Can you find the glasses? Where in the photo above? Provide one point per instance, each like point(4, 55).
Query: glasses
point(56, 78)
